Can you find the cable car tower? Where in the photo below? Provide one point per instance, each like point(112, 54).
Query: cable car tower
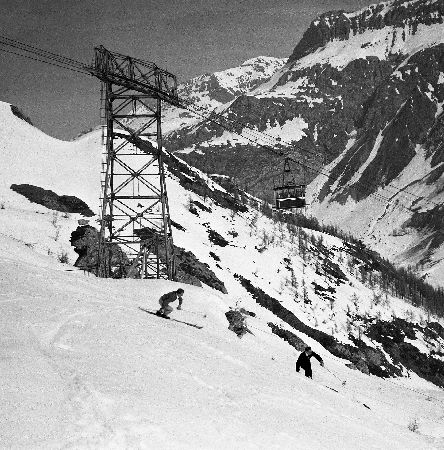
point(134, 203)
point(288, 194)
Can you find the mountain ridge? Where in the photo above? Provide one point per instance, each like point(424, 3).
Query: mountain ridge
point(75, 346)
point(373, 94)
point(340, 25)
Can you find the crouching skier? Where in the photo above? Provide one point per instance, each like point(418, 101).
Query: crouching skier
point(304, 361)
point(164, 301)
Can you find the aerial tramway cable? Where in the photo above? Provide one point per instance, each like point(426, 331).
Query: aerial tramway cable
point(63, 62)
point(45, 62)
point(360, 185)
point(263, 134)
point(42, 55)
point(279, 153)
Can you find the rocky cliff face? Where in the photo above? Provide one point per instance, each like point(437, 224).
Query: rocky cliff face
point(362, 91)
point(339, 25)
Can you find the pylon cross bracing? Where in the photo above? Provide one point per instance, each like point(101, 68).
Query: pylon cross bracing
point(135, 235)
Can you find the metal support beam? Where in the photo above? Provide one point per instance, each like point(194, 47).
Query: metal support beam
point(135, 236)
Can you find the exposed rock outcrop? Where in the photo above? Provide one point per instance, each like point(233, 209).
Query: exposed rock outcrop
point(190, 270)
point(398, 338)
point(85, 240)
point(237, 322)
point(51, 200)
point(365, 358)
point(20, 114)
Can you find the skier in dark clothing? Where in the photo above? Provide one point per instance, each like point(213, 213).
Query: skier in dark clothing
point(164, 301)
point(304, 361)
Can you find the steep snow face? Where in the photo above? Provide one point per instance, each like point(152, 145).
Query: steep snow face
point(382, 44)
point(82, 366)
point(383, 30)
point(30, 156)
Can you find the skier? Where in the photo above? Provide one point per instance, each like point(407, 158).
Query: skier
point(164, 301)
point(304, 361)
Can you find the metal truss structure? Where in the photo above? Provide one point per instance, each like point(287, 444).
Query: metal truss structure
point(135, 234)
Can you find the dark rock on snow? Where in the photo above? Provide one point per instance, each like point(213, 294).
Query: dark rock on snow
point(85, 240)
point(51, 200)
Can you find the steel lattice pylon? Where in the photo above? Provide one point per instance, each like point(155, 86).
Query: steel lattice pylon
point(135, 235)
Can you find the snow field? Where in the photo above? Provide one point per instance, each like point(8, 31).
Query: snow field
point(30, 156)
point(380, 226)
point(82, 367)
point(378, 43)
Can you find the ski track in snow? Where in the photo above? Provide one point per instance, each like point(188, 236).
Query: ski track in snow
point(83, 367)
point(111, 377)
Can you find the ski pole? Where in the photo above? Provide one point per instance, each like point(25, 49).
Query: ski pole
point(195, 313)
point(343, 382)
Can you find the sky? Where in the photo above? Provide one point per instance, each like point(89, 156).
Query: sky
point(186, 37)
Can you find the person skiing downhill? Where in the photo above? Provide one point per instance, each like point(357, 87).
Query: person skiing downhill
point(304, 361)
point(164, 301)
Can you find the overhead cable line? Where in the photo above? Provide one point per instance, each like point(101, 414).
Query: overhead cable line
point(50, 56)
point(263, 135)
point(76, 66)
point(360, 185)
point(83, 72)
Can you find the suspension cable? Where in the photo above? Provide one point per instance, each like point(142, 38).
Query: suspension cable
point(197, 111)
point(83, 72)
point(275, 141)
point(50, 58)
point(280, 153)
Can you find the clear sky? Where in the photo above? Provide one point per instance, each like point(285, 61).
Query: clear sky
point(187, 37)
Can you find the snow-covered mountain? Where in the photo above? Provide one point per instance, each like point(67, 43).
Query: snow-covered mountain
point(386, 185)
point(363, 91)
point(82, 366)
point(211, 91)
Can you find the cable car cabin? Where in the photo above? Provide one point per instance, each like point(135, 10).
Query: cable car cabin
point(289, 196)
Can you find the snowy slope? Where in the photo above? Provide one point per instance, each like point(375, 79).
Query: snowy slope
point(381, 220)
point(388, 42)
point(382, 30)
point(380, 44)
point(212, 90)
point(366, 87)
point(82, 367)
point(30, 156)
point(257, 246)
point(215, 91)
